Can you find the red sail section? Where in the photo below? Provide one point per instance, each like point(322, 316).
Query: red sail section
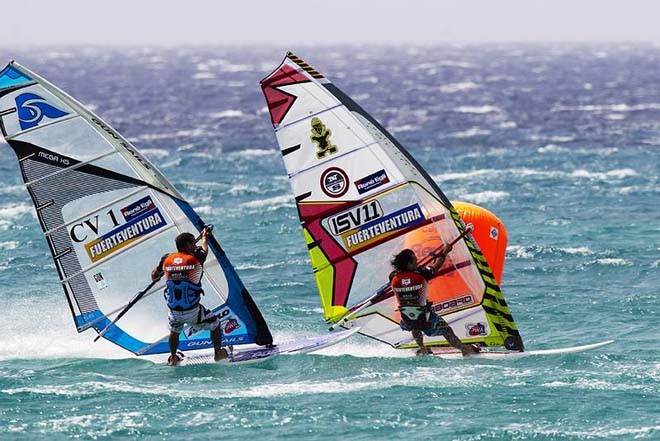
point(344, 265)
point(279, 102)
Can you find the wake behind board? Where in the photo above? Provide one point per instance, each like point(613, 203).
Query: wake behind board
point(452, 354)
point(254, 355)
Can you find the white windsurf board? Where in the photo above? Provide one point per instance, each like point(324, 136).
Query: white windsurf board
point(452, 354)
point(254, 355)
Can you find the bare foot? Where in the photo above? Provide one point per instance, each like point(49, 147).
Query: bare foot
point(173, 360)
point(470, 349)
point(424, 351)
point(221, 354)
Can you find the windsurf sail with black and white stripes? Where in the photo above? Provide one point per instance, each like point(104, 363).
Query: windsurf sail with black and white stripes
point(362, 198)
point(108, 216)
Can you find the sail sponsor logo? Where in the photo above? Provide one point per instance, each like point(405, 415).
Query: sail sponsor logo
point(382, 228)
point(372, 181)
point(494, 233)
point(54, 158)
point(334, 182)
point(355, 217)
point(476, 329)
point(453, 304)
point(230, 325)
point(32, 109)
point(137, 208)
point(195, 343)
point(321, 137)
point(80, 231)
point(124, 235)
point(100, 281)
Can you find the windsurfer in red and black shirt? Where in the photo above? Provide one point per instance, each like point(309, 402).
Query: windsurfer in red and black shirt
point(183, 272)
point(410, 282)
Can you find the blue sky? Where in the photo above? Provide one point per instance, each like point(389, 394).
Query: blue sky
point(149, 22)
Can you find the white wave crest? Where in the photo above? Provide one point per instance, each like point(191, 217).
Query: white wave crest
point(552, 148)
point(458, 87)
point(584, 251)
point(56, 322)
point(612, 174)
point(14, 210)
point(478, 109)
point(239, 189)
point(254, 153)
point(616, 174)
point(272, 203)
point(155, 153)
point(612, 261)
point(194, 133)
point(204, 76)
point(474, 131)
point(519, 251)
point(9, 245)
point(600, 108)
point(483, 196)
point(248, 266)
point(11, 189)
point(231, 113)
point(403, 128)
point(233, 68)
point(450, 63)
point(554, 431)
point(616, 116)
point(507, 125)
point(204, 209)
point(594, 384)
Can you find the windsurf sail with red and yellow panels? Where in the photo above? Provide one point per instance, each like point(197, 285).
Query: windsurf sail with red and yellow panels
point(362, 198)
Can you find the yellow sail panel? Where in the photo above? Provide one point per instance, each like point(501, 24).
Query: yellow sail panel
point(324, 273)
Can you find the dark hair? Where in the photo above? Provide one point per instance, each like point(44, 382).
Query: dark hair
point(184, 239)
point(401, 260)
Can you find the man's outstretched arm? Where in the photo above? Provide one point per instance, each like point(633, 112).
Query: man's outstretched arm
point(157, 272)
point(440, 258)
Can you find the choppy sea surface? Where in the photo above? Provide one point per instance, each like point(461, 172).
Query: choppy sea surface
point(562, 142)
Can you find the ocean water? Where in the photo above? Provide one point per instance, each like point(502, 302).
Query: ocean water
point(562, 142)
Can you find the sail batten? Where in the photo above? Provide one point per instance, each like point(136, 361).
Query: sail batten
point(69, 169)
point(108, 216)
point(366, 199)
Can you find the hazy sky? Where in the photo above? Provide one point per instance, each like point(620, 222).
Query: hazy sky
point(149, 22)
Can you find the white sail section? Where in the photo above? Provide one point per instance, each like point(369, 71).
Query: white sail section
point(108, 216)
point(362, 198)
